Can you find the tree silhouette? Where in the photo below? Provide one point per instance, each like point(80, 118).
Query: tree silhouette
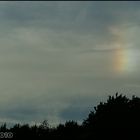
point(117, 118)
point(118, 115)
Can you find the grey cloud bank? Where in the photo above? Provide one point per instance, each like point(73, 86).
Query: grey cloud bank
point(59, 59)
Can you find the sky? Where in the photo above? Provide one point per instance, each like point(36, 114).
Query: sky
point(59, 59)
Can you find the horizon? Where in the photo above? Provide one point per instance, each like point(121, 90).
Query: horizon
point(59, 59)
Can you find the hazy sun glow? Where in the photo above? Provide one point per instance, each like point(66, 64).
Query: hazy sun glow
point(125, 56)
point(119, 60)
point(125, 60)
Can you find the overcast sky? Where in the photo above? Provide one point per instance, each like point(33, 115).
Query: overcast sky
point(59, 59)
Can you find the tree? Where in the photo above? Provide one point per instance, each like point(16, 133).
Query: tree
point(117, 112)
point(44, 125)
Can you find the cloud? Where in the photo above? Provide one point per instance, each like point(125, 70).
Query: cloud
point(56, 55)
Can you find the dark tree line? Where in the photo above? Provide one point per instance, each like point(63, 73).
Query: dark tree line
point(117, 118)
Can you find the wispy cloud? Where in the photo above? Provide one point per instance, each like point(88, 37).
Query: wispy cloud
point(53, 52)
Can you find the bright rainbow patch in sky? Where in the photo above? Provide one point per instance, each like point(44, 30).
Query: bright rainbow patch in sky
point(125, 60)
